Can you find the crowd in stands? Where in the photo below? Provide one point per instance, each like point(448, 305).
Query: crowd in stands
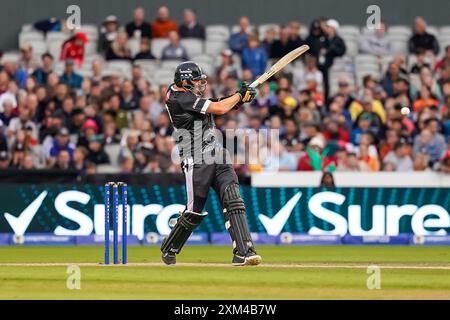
point(398, 122)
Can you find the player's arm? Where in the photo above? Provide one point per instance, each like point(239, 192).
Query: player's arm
point(245, 95)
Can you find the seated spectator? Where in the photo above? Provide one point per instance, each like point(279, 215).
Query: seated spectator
point(144, 51)
point(79, 157)
point(238, 41)
point(398, 159)
point(421, 162)
point(376, 42)
point(96, 151)
point(63, 161)
point(291, 137)
point(41, 74)
point(73, 49)
point(190, 27)
point(366, 159)
point(129, 97)
point(425, 99)
point(62, 142)
point(14, 72)
point(139, 28)
point(108, 33)
point(443, 65)
point(282, 46)
point(118, 50)
point(421, 62)
point(163, 25)
point(174, 50)
point(429, 143)
point(310, 72)
point(375, 110)
point(27, 61)
point(334, 131)
point(294, 35)
point(313, 159)
point(422, 40)
point(227, 68)
point(254, 57)
point(69, 77)
point(269, 38)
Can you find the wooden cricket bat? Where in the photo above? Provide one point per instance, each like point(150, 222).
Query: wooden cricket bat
point(283, 62)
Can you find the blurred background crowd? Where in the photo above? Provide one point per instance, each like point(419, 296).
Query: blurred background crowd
point(92, 99)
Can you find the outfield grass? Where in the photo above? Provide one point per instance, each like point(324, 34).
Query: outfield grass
point(330, 272)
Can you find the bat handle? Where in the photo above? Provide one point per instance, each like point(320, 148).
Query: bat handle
point(255, 84)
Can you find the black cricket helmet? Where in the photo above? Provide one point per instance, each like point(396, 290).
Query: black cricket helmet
point(189, 71)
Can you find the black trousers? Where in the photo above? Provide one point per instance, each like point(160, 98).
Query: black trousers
point(201, 177)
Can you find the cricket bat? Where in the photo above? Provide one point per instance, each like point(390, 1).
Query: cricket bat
point(283, 62)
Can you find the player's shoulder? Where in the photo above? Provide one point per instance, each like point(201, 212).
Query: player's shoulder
point(177, 96)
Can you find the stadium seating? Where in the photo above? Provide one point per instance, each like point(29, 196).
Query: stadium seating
point(193, 46)
point(157, 47)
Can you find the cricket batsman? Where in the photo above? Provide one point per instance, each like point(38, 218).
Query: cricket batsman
point(191, 113)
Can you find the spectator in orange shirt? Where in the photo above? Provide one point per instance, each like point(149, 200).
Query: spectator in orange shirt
point(163, 25)
point(426, 99)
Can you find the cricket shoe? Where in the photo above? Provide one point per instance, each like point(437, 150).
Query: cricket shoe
point(251, 259)
point(169, 258)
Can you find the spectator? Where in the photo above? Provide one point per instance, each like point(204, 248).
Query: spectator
point(129, 98)
point(443, 65)
point(190, 27)
point(118, 50)
point(144, 51)
point(398, 159)
point(162, 26)
point(294, 35)
point(316, 39)
point(290, 139)
point(422, 40)
point(280, 159)
point(108, 33)
point(254, 57)
point(376, 42)
point(421, 62)
point(139, 28)
point(227, 68)
point(334, 47)
point(420, 162)
point(27, 61)
point(238, 41)
point(96, 152)
point(269, 38)
point(79, 159)
point(327, 180)
point(41, 74)
point(73, 49)
point(63, 161)
point(312, 160)
point(69, 77)
point(282, 46)
point(444, 164)
point(366, 160)
point(174, 50)
point(62, 142)
point(425, 99)
point(429, 143)
point(309, 77)
point(4, 160)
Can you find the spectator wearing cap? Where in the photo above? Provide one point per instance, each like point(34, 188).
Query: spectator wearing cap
point(96, 151)
point(190, 27)
point(238, 41)
point(163, 25)
point(62, 142)
point(139, 28)
point(422, 40)
point(316, 39)
point(70, 77)
point(254, 57)
point(118, 50)
point(313, 159)
point(108, 33)
point(345, 92)
point(398, 159)
point(174, 50)
point(73, 49)
point(227, 68)
point(334, 48)
point(41, 74)
point(144, 51)
point(376, 42)
point(90, 128)
point(375, 110)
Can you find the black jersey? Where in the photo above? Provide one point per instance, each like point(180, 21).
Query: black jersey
point(189, 116)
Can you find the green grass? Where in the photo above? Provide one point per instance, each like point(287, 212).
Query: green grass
point(211, 282)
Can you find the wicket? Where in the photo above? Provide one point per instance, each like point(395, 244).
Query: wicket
point(115, 218)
